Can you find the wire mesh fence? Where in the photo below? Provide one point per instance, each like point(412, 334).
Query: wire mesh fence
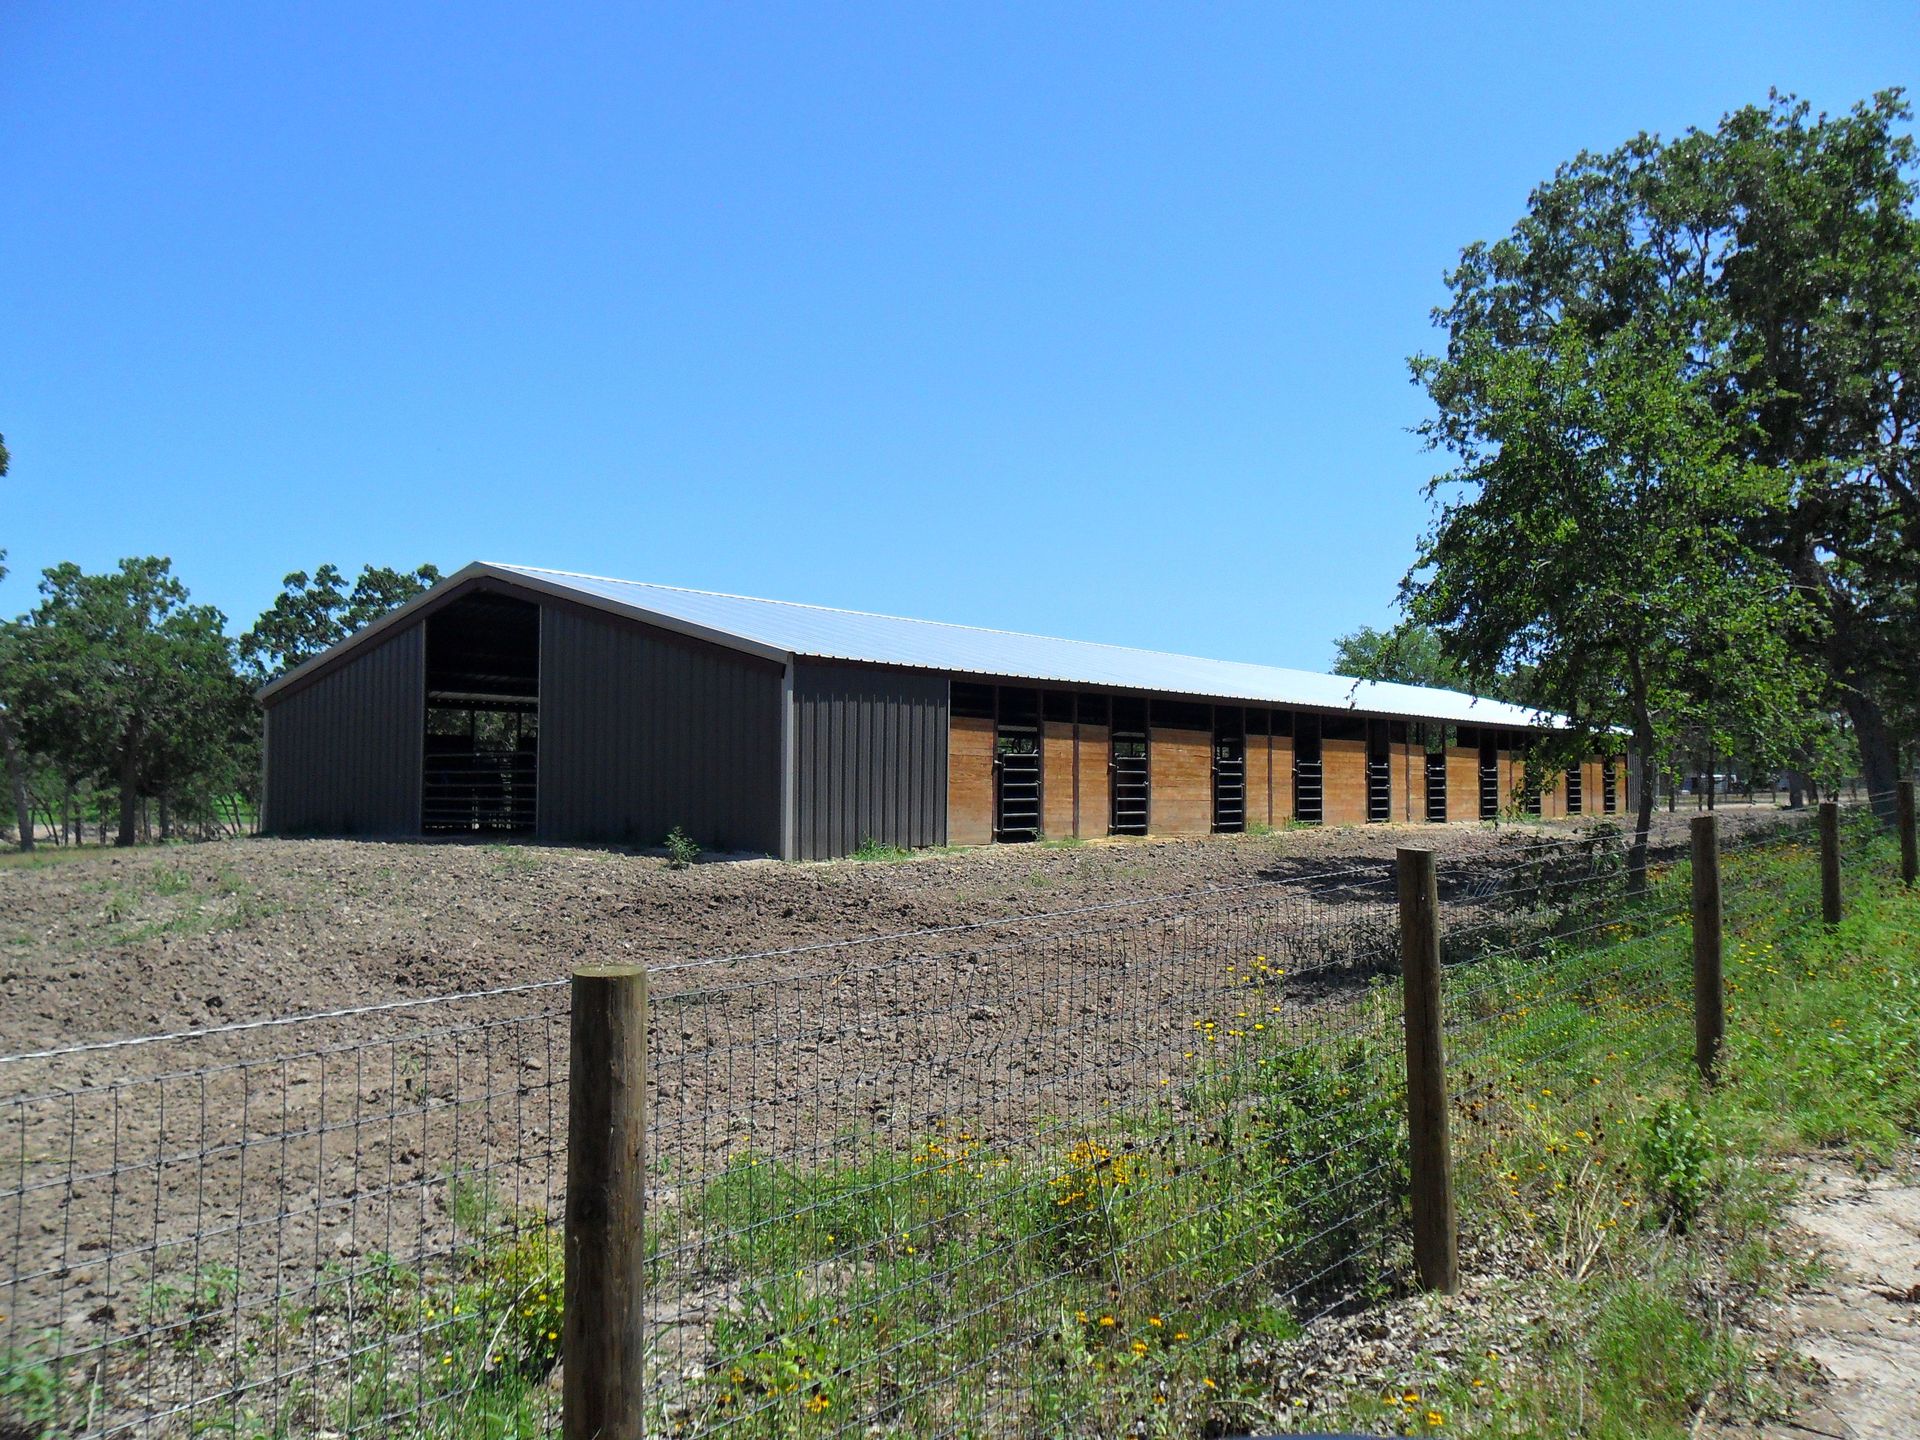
point(1033, 1176)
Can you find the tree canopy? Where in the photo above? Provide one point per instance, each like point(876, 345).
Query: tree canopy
point(314, 613)
point(1678, 406)
point(1408, 654)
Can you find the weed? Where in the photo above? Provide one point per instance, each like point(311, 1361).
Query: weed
point(1674, 1151)
point(168, 881)
point(682, 849)
point(872, 849)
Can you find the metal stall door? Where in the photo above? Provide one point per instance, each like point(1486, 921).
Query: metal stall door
point(1131, 782)
point(1229, 773)
point(1016, 766)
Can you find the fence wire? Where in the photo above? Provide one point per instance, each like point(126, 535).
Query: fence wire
point(1045, 1175)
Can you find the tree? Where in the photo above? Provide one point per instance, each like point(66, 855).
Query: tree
point(1408, 654)
point(1774, 262)
point(314, 613)
point(120, 676)
point(1600, 541)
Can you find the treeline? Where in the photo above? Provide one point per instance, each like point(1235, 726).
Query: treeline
point(126, 710)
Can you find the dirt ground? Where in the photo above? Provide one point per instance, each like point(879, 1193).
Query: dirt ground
point(1859, 1324)
point(106, 944)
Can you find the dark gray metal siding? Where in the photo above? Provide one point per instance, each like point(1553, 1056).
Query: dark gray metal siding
point(343, 753)
point(870, 757)
point(642, 730)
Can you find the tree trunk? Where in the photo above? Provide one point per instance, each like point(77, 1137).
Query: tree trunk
point(17, 777)
point(129, 798)
point(1643, 746)
point(1877, 762)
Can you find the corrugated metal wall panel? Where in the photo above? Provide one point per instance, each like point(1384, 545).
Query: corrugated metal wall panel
point(641, 731)
point(870, 757)
point(343, 753)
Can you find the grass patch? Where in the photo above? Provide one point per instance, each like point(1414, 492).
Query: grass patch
point(870, 849)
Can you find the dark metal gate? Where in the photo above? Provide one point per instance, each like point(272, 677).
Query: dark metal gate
point(1131, 780)
point(1437, 786)
point(1489, 781)
point(1016, 766)
point(1379, 774)
point(1308, 792)
point(1229, 773)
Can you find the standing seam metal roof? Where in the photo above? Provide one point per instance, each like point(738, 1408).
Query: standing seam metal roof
point(819, 632)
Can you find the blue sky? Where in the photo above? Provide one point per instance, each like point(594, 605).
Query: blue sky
point(1090, 320)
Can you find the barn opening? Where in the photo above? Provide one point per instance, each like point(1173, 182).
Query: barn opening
point(1016, 765)
point(1576, 796)
point(1609, 797)
point(480, 754)
point(1229, 769)
point(1379, 772)
point(1129, 766)
point(1435, 739)
point(1309, 792)
point(1489, 777)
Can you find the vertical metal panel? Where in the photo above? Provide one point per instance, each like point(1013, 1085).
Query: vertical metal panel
point(642, 730)
point(870, 757)
point(343, 752)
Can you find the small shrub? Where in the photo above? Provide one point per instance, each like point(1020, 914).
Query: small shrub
point(1333, 1143)
point(1675, 1149)
point(682, 849)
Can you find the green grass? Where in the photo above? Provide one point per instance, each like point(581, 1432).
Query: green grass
point(1637, 1193)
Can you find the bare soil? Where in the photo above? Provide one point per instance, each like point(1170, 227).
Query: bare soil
point(1859, 1324)
point(110, 944)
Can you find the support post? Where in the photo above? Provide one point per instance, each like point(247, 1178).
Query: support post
point(604, 1331)
point(1709, 993)
point(1830, 861)
point(1436, 1241)
point(1909, 861)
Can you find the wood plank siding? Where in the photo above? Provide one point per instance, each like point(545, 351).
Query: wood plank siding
point(1344, 782)
point(1181, 766)
point(1056, 778)
point(970, 780)
point(1463, 782)
point(1096, 803)
point(1259, 780)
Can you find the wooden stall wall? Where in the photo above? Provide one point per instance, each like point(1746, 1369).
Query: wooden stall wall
point(1409, 768)
point(1056, 779)
point(970, 780)
point(1259, 780)
point(1181, 766)
point(1096, 803)
point(1343, 765)
point(1282, 780)
point(1463, 782)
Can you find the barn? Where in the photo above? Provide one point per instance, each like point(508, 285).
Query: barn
point(572, 708)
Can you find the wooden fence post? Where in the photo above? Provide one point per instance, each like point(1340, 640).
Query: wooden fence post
point(1909, 862)
point(1709, 994)
point(1830, 861)
point(1436, 1241)
point(604, 1332)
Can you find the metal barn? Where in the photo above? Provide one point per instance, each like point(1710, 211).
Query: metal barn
point(512, 700)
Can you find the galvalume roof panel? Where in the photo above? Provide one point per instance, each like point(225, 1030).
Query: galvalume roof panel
point(819, 632)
